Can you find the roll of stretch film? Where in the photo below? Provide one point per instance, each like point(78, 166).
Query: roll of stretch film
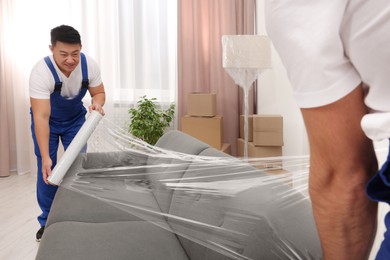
point(74, 148)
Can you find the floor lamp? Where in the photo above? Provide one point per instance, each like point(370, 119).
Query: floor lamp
point(244, 58)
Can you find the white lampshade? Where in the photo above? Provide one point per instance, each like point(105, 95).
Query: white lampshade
point(245, 57)
point(246, 51)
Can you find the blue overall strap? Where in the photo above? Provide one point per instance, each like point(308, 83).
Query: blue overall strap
point(58, 83)
point(84, 71)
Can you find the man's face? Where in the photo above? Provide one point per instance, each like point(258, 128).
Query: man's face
point(66, 56)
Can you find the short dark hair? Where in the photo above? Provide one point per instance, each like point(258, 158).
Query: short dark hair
point(65, 33)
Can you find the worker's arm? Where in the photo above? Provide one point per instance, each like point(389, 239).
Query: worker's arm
point(98, 98)
point(342, 159)
point(41, 112)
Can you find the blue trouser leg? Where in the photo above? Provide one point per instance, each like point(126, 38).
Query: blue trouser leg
point(45, 192)
point(45, 196)
point(67, 132)
point(378, 189)
point(384, 250)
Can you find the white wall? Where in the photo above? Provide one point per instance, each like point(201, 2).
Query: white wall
point(275, 97)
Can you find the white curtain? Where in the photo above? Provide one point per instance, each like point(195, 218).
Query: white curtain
point(133, 41)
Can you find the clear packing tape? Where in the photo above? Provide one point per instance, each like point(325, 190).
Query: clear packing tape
point(217, 206)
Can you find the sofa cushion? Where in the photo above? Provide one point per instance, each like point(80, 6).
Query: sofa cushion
point(277, 220)
point(198, 213)
point(116, 240)
point(172, 163)
point(103, 195)
point(178, 141)
point(254, 221)
point(73, 206)
point(112, 159)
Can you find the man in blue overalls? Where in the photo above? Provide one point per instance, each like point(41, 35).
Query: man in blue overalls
point(57, 85)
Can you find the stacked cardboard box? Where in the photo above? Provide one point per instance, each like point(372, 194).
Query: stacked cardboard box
point(202, 121)
point(265, 138)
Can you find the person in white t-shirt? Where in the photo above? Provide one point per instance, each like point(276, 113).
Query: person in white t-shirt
point(57, 85)
point(337, 56)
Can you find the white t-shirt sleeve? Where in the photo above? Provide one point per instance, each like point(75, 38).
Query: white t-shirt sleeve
point(41, 83)
point(93, 73)
point(306, 36)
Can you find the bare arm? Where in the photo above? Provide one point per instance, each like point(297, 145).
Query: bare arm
point(342, 160)
point(98, 98)
point(41, 111)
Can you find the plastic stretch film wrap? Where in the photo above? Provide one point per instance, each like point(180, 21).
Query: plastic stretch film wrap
point(207, 204)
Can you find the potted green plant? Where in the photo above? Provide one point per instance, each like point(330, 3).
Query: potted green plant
point(147, 121)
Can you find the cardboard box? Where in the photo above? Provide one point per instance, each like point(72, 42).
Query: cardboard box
point(206, 129)
point(274, 164)
point(250, 127)
point(282, 176)
point(268, 130)
point(267, 123)
point(277, 171)
point(202, 104)
point(226, 148)
point(268, 138)
point(258, 151)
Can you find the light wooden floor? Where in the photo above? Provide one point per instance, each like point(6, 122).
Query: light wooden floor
point(18, 217)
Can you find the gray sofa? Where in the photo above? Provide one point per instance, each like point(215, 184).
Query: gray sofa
point(131, 213)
